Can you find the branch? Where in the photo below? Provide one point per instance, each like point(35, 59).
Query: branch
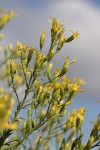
point(97, 144)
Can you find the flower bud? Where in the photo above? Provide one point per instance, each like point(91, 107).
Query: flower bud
point(42, 39)
point(23, 56)
point(48, 71)
point(71, 38)
point(30, 54)
point(19, 45)
point(50, 55)
point(60, 33)
point(65, 67)
point(62, 40)
point(34, 123)
point(12, 68)
point(90, 142)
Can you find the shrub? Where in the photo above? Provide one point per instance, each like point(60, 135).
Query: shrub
point(43, 94)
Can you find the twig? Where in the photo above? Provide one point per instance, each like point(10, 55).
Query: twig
point(97, 144)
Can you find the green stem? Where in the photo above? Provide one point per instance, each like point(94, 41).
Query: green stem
point(24, 74)
point(12, 81)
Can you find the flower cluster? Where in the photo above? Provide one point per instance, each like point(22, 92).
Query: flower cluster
point(6, 103)
point(43, 93)
point(5, 17)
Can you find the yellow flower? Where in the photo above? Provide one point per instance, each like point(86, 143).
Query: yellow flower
point(55, 109)
point(64, 79)
point(82, 110)
point(39, 56)
point(57, 72)
point(43, 34)
point(18, 79)
point(43, 112)
point(60, 33)
point(63, 39)
point(69, 102)
point(50, 65)
point(55, 25)
point(80, 117)
point(13, 64)
point(11, 13)
point(80, 81)
point(13, 67)
point(20, 46)
point(5, 17)
point(57, 85)
point(70, 86)
point(6, 103)
point(75, 87)
point(42, 39)
point(6, 125)
point(75, 34)
point(91, 139)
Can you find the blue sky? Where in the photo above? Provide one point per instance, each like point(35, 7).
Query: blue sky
point(95, 2)
point(83, 16)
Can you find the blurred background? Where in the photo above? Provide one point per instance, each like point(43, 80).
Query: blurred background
point(77, 15)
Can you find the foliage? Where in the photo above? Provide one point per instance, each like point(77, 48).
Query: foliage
point(43, 94)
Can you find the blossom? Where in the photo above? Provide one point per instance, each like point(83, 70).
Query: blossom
point(6, 104)
point(18, 79)
point(75, 87)
point(75, 34)
point(42, 39)
point(5, 17)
